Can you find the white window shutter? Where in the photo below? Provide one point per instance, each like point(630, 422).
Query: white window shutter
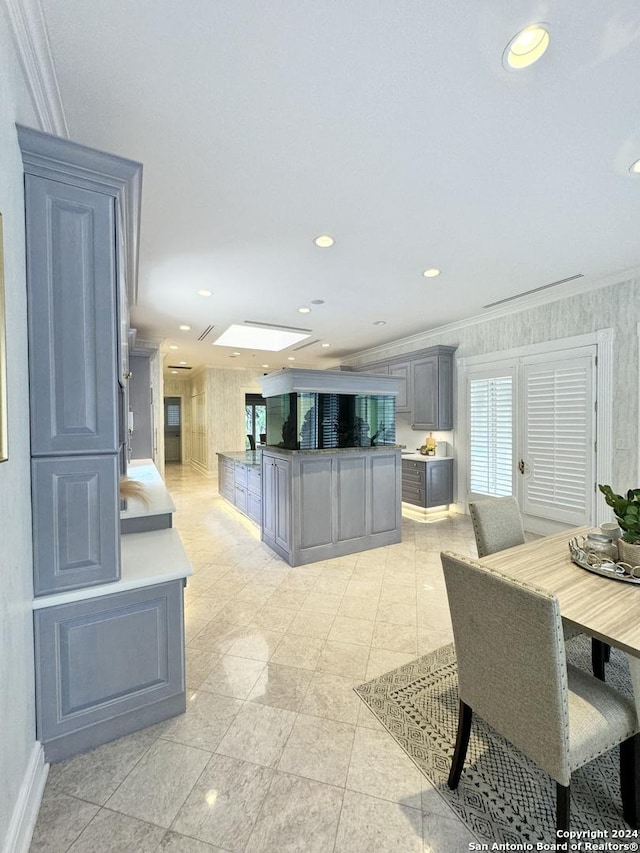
point(491, 436)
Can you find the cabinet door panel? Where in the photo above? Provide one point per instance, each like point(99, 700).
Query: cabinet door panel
point(283, 503)
point(384, 493)
point(72, 319)
point(445, 392)
point(104, 657)
point(405, 396)
point(352, 498)
point(425, 393)
point(316, 505)
point(76, 522)
point(440, 482)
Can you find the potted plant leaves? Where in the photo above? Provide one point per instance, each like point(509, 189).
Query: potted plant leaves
point(626, 509)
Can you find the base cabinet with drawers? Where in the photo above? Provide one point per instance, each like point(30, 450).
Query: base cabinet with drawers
point(427, 483)
point(240, 482)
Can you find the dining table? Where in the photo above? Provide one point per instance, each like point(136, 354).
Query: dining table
point(604, 607)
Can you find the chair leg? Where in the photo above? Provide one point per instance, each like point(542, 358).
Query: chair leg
point(607, 652)
point(629, 770)
point(563, 806)
point(462, 742)
point(599, 654)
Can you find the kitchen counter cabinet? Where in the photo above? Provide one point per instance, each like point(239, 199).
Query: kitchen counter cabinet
point(427, 481)
point(323, 504)
point(240, 481)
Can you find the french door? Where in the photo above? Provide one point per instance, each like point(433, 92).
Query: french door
point(532, 434)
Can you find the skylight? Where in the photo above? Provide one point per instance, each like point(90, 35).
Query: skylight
point(258, 337)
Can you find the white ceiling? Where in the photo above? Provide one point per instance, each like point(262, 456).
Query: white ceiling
point(392, 126)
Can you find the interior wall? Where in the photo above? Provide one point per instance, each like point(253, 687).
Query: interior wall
point(178, 388)
point(141, 441)
point(17, 709)
point(226, 391)
point(616, 306)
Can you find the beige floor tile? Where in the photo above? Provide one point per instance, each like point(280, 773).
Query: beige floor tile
point(110, 831)
point(298, 816)
point(295, 650)
point(380, 768)
point(347, 659)
point(348, 630)
point(368, 824)
point(233, 676)
point(205, 722)
point(198, 665)
point(332, 697)
point(399, 614)
point(384, 660)
point(258, 734)
point(309, 624)
point(397, 638)
point(256, 643)
point(322, 602)
point(225, 803)
point(442, 835)
point(159, 784)
point(273, 618)
point(358, 608)
point(173, 842)
point(60, 821)
point(318, 749)
point(281, 686)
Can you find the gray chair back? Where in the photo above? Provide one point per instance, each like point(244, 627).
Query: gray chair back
point(497, 524)
point(511, 660)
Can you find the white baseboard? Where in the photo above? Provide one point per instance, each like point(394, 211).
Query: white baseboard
point(25, 813)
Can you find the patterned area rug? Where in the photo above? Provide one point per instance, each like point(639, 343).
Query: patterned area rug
point(502, 796)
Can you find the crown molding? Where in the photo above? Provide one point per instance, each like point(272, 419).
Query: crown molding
point(34, 50)
point(402, 346)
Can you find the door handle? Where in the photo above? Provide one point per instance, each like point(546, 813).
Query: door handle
point(521, 466)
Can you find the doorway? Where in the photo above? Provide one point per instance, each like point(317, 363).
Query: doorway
point(172, 429)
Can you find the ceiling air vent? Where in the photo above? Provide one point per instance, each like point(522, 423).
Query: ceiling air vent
point(535, 290)
point(310, 344)
point(206, 332)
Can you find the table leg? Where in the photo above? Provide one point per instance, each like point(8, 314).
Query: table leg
point(634, 669)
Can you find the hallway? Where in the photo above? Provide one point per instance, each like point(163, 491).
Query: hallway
point(276, 752)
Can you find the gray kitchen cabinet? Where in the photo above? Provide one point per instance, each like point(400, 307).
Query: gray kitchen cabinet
point(76, 522)
point(403, 372)
point(427, 483)
point(72, 301)
point(225, 478)
point(108, 666)
point(240, 482)
point(322, 504)
point(81, 215)
point(433, 390)
point(276, 503)
point(426, 392)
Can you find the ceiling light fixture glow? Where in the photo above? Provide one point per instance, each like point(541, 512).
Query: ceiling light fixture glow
point(173, 346)
point(324, 241)
point(258, 338)
point(634, 168)
point(325, 345)
point(265, 365)
point(304, 310)
point(526, 47)
point(184, 328)
point(291, 358)
point(204, 293)
point(432, 272)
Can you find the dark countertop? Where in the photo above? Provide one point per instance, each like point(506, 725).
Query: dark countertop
point(376, 449)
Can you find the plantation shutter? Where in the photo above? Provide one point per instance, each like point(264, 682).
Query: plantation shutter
point(558, 439)
point(491, 436)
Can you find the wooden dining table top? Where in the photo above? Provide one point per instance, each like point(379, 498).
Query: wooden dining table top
point(606, 608)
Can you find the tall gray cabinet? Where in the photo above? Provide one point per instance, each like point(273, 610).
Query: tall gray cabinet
point(109, 647)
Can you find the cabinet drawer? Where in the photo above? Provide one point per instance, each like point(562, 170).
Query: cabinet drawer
point(254, 507)
point(413, 476)
point(413, 495)
point(240, 498)
point(254, 481)
point(240, 475)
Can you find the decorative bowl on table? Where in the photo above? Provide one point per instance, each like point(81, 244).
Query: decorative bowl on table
point(601, 563)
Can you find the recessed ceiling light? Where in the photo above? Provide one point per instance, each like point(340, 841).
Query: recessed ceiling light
point(183, 362)
point(526, 47)
point(291, 358)
point(236, 353)
point(323, 241)
point(259, 337)
point(172, 346)
point(431, 273)
point(184, 328)
point(325, 345)
point(304, 310)
point(380, 323)
point(174, 371)
point(317, 301)
point(204, 293)
point(635, 168)
point(265, 365)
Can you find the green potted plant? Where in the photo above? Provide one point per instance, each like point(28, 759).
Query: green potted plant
point(626, 509)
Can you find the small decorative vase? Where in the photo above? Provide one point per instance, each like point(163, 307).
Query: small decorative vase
point(629, 552)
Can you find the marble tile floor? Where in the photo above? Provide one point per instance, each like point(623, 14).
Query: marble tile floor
point(275, 753)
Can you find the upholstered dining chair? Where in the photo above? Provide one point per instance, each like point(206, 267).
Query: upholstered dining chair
point(513, 673)
point(497, 524)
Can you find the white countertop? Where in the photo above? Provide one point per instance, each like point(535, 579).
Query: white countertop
point(160, 502)
point(418, 457)
point(152, 557)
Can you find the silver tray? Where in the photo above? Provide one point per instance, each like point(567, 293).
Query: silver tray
point(618, 571)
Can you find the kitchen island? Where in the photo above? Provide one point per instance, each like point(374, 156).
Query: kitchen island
point(319, 504)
